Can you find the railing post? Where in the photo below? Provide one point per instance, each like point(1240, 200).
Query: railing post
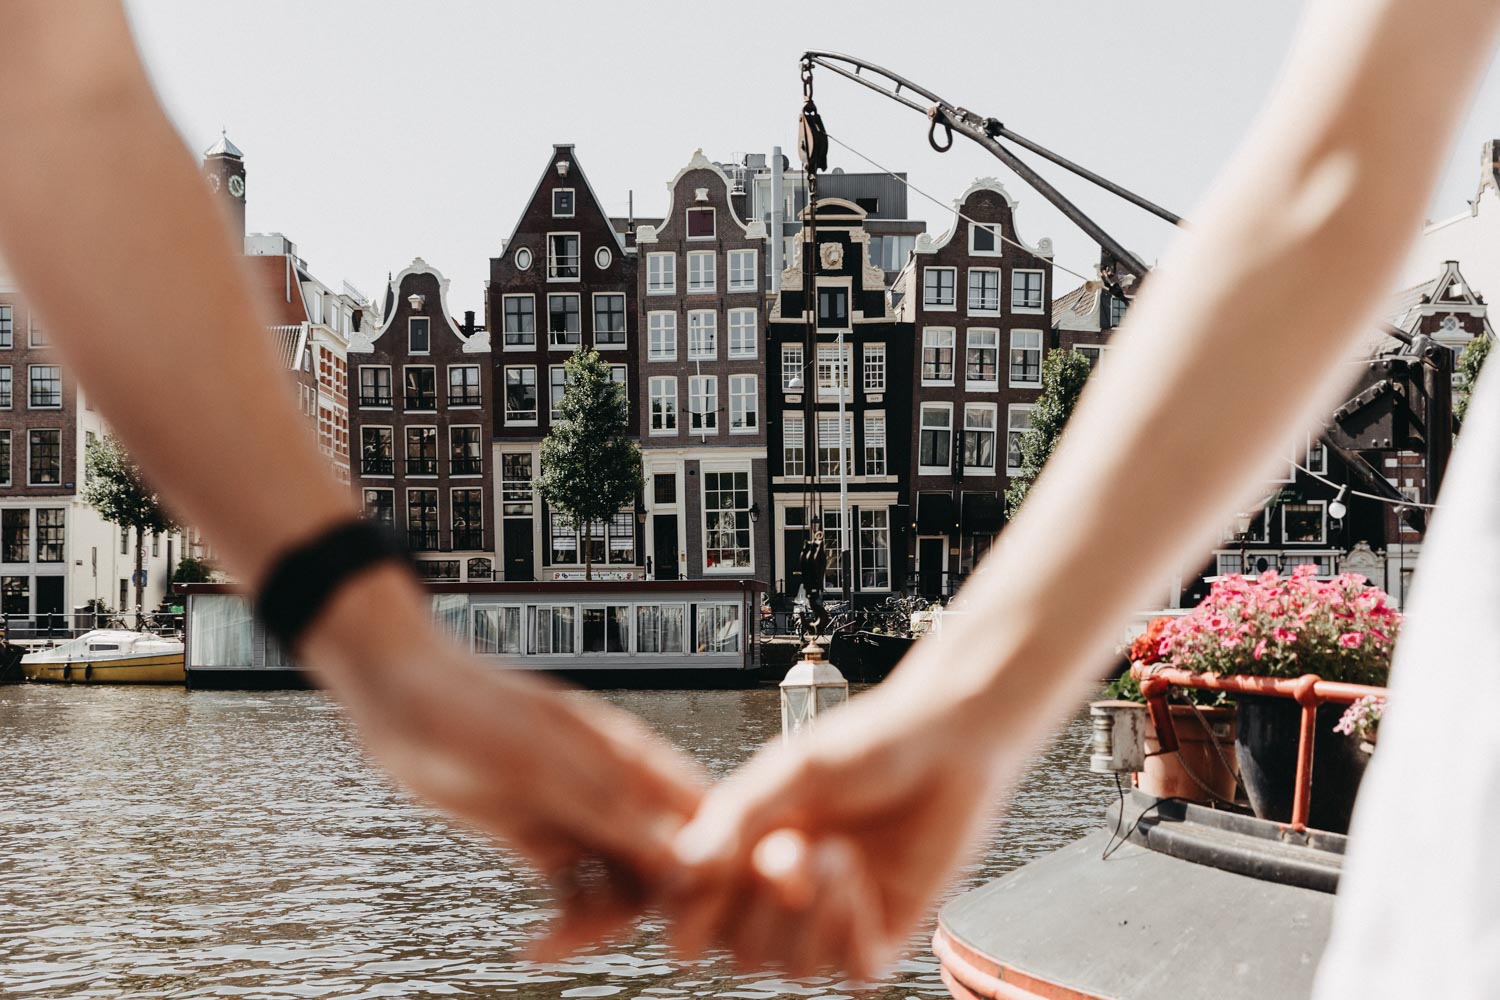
point(1307, 696)
point(1155, 689)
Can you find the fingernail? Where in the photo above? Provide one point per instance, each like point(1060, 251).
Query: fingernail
point(692, 846)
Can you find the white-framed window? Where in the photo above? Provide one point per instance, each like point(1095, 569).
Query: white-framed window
point(1026, 288)
point(564, 327)
point(984, 291)
point(463, 386)
point(662, 335)
point(833, 543)
point(937, 355)
point(935, 439)
point(1017, 424)
point(552, 628)
point(557, 384)
point(982, 360)
point(379, 505)
point(421, 387)
point(663, 404)
point(418, 335)
point(520, 322)
point(375, 385)
point(523, 258)
point(791, 368)
point(727, 531)
point(520, 395)
point(7, 327)
point(1092, 353)
point(562, 257)
point(833, 307)
point(661, 274)
point(466, 508)
point(700, 224)
point(377, 450)
point(742, 271)
point(661, 628)
point(984, 240)
point(37, 333)
point(874, 548)
point(742, 334)
point(421, 450)
point(609, 320)
point(703, 404)
point(717, 628)
point(603, 258)
point(1317, 456)
point(1117, 307)
point(1304, 523)
point(1025, 358)
point(744, 410)
point(606, 628)
point(703, 335)
point(620, 376)
point(833, 369)
point(828, 444)
point(873, 357)
point(45, 387)
point(875, 455)
point(497, 629)
point(979, 439)
point(793, 445)
point(940, 287)
point(7, 387)
point(562, 203)
point(700, 272)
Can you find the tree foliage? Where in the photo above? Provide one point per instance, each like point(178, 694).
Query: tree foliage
point(190, 570)
point(113, 486)
point(589, 466)
point(1063, 376)
point(1470, 361)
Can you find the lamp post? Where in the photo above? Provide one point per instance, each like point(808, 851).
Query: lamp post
point(810, 689)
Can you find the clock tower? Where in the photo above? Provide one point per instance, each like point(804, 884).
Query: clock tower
point(224, 168)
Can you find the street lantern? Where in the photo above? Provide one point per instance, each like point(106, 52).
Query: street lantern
point(1336, 509)
point(810, 689)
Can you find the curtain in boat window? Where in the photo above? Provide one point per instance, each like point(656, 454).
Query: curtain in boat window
point(220, 631)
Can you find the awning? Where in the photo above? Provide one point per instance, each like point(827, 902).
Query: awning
point(982, 513)
point(935, 513)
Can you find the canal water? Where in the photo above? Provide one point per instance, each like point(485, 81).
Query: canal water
point(164, 843)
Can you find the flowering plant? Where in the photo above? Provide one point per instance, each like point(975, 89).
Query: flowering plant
point(1362, 718)
point(1340, 629)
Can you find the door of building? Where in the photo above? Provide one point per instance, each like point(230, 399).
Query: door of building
point(791, 559)
point(664, 546)
point(520, 563)
point(931, 555)
point(49, 596)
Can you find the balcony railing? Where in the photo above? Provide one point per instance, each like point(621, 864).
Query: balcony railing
point(464, 399)
point(467, 466)
point(421, 401)
point(375, 399)
point(422, 541)
point(421, 466)
point(377, 466)
point(468, 539)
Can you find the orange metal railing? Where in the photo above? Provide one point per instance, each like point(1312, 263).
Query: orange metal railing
point(1309, 691)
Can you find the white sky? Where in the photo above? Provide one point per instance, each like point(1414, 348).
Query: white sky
point(379, 131)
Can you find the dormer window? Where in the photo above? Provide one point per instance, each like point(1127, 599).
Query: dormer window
point(562, 203)
point(700, 223)
point(419, 335)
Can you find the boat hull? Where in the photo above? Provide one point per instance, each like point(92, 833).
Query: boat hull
point(163, 669)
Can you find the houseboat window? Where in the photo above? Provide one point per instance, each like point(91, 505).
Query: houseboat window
point(497, 630)
point(552, 628)
point(220, 630)
point(659, 628)
point(718, 628)
point(450, 612)
point(104, 647)
point(607, 629)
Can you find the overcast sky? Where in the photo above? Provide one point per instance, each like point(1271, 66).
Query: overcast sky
point(378, 131)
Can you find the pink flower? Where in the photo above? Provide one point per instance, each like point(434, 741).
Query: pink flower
point(1351, 640)
point(1230, 641)
point(1260, 649)
point(1165, 647)
point(1285, 635)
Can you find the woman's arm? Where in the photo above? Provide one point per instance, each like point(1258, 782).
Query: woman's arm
point(1279, 271)
point(113, 236)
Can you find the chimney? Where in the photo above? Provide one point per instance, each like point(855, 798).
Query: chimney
point(468, 322)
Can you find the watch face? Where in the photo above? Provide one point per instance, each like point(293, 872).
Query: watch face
point(237, 186)
point(213, 183)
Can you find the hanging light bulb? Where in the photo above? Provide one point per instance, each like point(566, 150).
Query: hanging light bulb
point(1336, 508)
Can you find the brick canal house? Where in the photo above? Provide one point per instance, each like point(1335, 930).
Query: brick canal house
point(424, 412)
point(564, 280)
point(702, 383)
point(850, 305)
point(978, 300)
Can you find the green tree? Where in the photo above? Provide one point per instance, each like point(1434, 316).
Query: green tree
point(1470, 361)
point(589, 466)
point(114, 487)
point(1063, 376)
point(190, 570)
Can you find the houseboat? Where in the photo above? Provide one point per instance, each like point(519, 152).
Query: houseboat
point(109, 656)
point(600, 633)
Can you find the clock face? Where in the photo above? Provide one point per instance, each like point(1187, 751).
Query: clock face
point(213, 183)
point(237, 186)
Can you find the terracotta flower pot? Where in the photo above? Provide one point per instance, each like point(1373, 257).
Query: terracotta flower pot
point(1170, 776)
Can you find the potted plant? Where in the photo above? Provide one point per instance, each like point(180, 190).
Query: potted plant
point(1341, 629)
point(1361, 721)
point(1203, 769)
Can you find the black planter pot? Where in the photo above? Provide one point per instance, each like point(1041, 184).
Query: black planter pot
point(1267, 747)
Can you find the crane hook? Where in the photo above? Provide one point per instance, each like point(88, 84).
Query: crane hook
point(938, 118)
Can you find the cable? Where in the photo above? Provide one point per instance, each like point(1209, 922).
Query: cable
point(1002, 237)
point(1368, 496)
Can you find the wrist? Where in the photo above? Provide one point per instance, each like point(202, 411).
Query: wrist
point(377, 619)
